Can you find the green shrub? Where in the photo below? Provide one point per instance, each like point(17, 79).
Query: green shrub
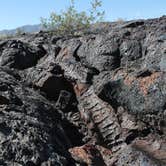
point(71, 20)
point(19, 31)
point(120, 20)
point(6, 36)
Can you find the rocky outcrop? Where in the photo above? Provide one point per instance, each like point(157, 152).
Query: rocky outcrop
point(96, 98)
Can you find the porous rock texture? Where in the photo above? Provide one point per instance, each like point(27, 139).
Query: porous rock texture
point(96, 98)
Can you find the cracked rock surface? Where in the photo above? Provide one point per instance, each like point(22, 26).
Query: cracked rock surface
point(95, 99)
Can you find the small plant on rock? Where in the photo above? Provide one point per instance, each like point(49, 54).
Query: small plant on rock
point(70, 20)
point(19, 31)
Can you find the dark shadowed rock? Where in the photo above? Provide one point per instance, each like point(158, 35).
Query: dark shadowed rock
point(19, 55)
point(30, 126)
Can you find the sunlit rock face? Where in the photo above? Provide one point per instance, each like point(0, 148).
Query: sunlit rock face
point(97, 98)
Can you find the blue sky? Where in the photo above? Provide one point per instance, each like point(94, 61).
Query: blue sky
point(14, 13)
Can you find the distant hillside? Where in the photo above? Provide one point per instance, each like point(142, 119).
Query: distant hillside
point(25, 28)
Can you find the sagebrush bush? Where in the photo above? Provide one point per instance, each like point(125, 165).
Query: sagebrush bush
point(19, 31)
point(6, 36)
point(70, 20)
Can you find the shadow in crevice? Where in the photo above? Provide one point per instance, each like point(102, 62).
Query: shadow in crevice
point(109, 93)
point(73, 134)
point(144, 73)
point(136, 133)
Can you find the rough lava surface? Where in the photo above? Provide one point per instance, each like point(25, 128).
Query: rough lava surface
point(97, 98)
